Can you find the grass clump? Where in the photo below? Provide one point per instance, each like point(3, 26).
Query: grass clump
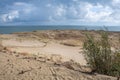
point(100, 57)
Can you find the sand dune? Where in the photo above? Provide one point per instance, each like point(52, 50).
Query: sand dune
point(47, 55)
point(36, 47)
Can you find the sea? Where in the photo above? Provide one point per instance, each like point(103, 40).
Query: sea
point(13, 29)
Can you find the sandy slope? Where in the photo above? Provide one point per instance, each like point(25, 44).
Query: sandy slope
point(50, 60)
point(36, 47)
point(66, 44)
point(18, 67)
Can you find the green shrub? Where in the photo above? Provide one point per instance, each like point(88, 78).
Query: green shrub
point(116, 65)
point(99, 55)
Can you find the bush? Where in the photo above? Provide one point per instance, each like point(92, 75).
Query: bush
point(100, 57)
point(116, 66)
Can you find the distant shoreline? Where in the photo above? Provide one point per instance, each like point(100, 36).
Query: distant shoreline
point(13, 29)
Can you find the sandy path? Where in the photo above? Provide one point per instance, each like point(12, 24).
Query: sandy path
point(37, 47)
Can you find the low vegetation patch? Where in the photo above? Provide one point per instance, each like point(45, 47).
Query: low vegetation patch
point(100, 57)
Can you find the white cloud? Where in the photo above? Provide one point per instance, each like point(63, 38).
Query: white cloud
point(17, 11)
point(84, 11)
point(59, 13)
point(114, 2)
point(24, 7)
point(19, 3)
point(75, 0)
point(56, 11)
point(60, 10)
point(97, 12)
point(10, 16)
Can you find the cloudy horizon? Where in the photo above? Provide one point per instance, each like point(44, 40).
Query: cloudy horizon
point(60, 12)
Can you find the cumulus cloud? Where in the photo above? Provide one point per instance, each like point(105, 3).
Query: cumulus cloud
point(51, 11)
point(114, 2)
point(10, 16)
point(17, 11)
point(84, 11)
point(97, 12)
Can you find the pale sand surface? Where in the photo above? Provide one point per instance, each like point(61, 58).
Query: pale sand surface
point(54, 56)
point(18, 67)
point(37, 47)
point(67, 44)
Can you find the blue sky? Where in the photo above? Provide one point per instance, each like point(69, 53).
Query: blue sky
point(60, 12)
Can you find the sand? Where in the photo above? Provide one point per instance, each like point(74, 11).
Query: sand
point(37, 47)
point(47, 55)
point(19, 67)
point(67, 44)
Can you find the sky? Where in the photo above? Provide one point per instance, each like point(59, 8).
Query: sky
point(60, 12)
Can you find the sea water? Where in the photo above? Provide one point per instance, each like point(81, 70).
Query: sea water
point(12, 29)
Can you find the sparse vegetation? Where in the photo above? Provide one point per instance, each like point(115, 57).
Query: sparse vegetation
point(100, 57)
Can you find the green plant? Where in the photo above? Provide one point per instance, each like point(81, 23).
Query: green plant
point(99, 55)
point(116, 66)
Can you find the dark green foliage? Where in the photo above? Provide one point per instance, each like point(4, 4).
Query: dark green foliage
point(100, 57)
point(116, 65)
